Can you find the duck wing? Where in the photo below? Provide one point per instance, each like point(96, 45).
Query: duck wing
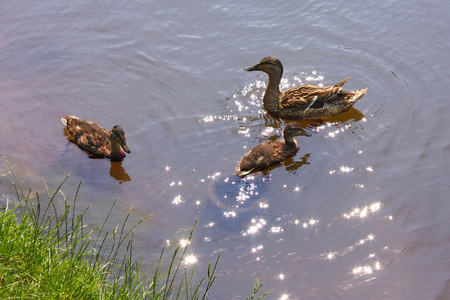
point(95, 142)
point(303, 97)
point(89, 135)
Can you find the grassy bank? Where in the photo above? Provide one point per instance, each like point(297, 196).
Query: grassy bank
point(50, 253)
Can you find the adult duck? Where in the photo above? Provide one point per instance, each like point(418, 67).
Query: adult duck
point(270, 153)
point(303, 102)
point(96, 140)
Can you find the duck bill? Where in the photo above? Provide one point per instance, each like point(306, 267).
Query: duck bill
point(254, 68)
point(306, 133)
point(126, 148)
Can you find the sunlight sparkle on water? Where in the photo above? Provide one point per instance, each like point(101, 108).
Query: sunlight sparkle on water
point(366, 269)
point(257, 248)
point(263, 205)
point(244, 131)
point(281, 276)
point(207, 119)
point(177, 200)
point(245, 192)
point(190, 260)
point(284, 297)
point(267, 131)
point(255, 226)
point(184, 243)
point(345, 169)
point(276, 229)
point(214, 175)
point(311, 222)
point(370, 237)
point(363, 211)
point(229, 214)
point(331, 256)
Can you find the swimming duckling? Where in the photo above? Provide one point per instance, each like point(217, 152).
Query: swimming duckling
point(272, 152)
point(96, 140)
point(303, 102)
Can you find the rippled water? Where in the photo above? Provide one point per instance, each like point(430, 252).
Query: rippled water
point(360, 213)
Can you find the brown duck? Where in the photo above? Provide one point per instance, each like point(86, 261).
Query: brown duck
point(96, 140)
point(303, 102)
point(270, 153)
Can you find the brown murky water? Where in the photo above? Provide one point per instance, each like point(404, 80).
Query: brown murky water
point(360, 213)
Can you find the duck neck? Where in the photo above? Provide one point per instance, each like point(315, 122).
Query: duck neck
point(272, 94)
point(116, 150)
point(290, 141)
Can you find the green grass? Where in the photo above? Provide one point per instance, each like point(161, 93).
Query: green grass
point(50, 253)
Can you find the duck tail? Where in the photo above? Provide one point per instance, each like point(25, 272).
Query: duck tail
point(242, 173)
point(341, 83)
point(356, 95)
point(66, 119)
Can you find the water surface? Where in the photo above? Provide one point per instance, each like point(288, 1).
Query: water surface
point(361, 212)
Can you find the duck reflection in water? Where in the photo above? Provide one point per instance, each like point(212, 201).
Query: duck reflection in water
point(118, 172)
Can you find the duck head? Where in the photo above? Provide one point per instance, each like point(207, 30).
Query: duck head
point(118, 135)
point(269, 65)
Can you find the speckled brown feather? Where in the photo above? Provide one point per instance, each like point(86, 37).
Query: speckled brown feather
point(303, 96)
point(341, 103)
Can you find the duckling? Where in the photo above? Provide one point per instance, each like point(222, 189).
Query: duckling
point(270, 153)
point(303, 102)
point(96, 140)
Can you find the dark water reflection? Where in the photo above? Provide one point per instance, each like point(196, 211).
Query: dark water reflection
point(361, 212)
point(118, 172)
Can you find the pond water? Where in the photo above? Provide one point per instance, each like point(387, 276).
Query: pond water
point(361, 212)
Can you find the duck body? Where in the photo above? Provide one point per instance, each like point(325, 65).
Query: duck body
point(304, 102)
point(96, 140)
point(270, 153)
